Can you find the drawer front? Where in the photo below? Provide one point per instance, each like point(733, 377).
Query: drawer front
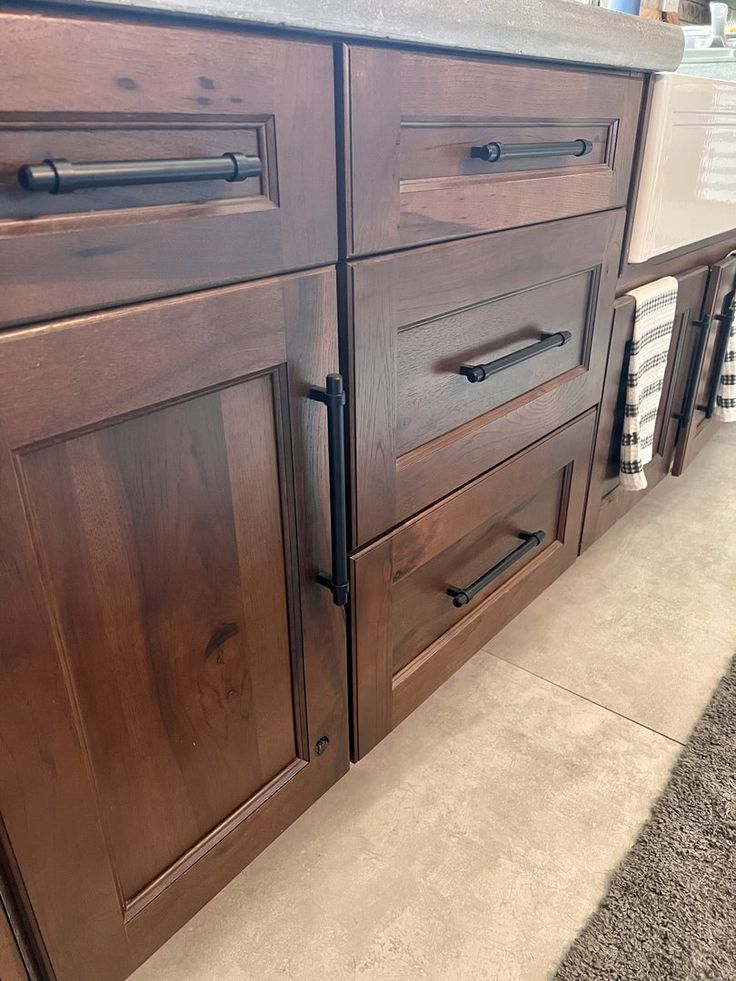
point(152, 93)
point(414, 119)
point(409, 633)
point(607, 502)
point(527, 310)
point(702, 363)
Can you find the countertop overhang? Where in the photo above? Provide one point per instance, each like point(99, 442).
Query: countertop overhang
point(555, 30)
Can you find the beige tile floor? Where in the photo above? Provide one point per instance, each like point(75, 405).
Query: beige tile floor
point(474, 842)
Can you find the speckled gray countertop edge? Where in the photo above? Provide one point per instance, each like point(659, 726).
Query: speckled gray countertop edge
point(558, 30)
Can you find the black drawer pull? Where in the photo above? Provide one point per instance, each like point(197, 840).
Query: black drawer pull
point(461, 596)
point(725, 321)
point(696, 369)
point(62, 177)
point(493, 152)
point(479, 372)
point(333, 396)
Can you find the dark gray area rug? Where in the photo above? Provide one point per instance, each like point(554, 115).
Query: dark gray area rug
point(670, 910)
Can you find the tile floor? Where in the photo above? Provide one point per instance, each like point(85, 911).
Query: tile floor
point(473, 843)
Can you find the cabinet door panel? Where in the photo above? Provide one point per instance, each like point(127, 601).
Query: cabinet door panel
point(607, 502)
point(195, 661)
point(697, 425)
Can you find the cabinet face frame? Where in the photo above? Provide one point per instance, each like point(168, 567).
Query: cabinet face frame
point(84, 378)
point(607, 502)
point(383, 696)
point(698, 428)
point(388, 293)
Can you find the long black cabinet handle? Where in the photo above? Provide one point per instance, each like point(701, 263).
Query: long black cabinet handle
point(62, 177)
point(696, 369)
point(726, 326)
point(333, 396)
point(493, 152)
point(462, 595)
point(479, 372)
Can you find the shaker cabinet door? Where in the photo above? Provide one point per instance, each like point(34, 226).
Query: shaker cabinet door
point(703, 365)
point(169, 661)
point(607, 501)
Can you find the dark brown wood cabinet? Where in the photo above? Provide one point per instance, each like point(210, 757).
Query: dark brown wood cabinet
point(421, 428)
point(173, 674)
point(12, 967)
point(413, 119)
point(409, 635)
point(85, 89)
point(170, 662)
point(607, 501)
point(703, 359)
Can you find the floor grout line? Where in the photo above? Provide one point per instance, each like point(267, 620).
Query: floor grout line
point(591, 701)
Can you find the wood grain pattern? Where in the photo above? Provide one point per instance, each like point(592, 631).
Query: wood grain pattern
point(408, 637)
point(607, 502)
point(11, 963)
point(141, 90)
point(170, 660)
point(409, 168)
point(420, 429)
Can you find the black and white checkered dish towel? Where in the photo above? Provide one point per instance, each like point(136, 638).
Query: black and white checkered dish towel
point(650, 345)
point(725, 409)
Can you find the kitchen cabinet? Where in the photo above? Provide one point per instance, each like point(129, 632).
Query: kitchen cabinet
point(420, 318)
point(12, 967)
point(172, 94)
point(443, 146)
point(704, 357)
point(177, 685)
point(173, 685)
point(607, 501)
point(427, 596)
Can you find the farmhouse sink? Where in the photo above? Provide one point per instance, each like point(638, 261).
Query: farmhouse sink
point(687, 191)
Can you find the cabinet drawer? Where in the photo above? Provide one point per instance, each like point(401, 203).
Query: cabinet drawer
point(414, 119)
point(422, 428)
point(141, 92)
point(408, 633)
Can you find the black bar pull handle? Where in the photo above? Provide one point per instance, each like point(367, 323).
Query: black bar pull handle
point(333, 396)
point(725, 321)
point(696, 369)
point(479, 372)
point(493, 152)
point(462, 595)
point(59, 176)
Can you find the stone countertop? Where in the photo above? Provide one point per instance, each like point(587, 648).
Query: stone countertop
point(559, 30)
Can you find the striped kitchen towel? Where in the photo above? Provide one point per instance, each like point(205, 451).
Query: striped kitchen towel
point(650, 345)
point(725, 409)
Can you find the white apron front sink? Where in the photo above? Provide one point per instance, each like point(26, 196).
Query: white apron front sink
point(687, 191)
